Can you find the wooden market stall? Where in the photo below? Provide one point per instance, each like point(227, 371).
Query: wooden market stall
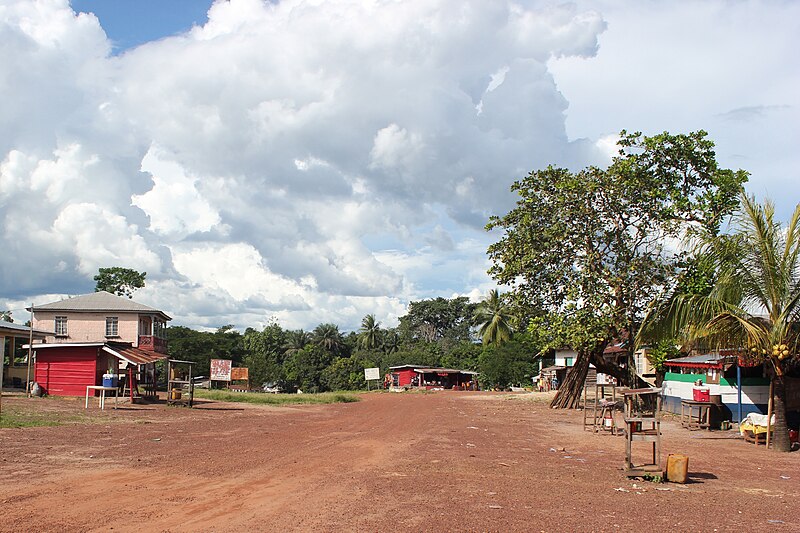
point(429, 377)
point(642, 424)
point(180, 385)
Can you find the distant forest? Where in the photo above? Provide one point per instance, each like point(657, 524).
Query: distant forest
point(435, 332)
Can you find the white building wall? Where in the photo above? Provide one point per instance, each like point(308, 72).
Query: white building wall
point(562, 357)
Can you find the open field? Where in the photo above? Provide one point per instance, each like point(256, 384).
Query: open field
point(440, 461)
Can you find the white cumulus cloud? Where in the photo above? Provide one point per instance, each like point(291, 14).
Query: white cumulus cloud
point(304, 160)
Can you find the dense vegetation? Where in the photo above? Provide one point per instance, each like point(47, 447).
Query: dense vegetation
point(435, 332)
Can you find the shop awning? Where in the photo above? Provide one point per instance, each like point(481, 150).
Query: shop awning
point(132, 355)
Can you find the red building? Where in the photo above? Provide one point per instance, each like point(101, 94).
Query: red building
point(432, 377)
point(95, 334)
point(67, 369)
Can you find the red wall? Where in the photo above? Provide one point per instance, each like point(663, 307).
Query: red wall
point(67, 371)
point(404, 376)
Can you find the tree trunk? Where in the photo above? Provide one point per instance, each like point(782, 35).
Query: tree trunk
point(780, 430)
point(569, 393)
point(623, 376)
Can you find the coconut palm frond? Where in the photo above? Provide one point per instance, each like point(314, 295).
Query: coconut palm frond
point(495, 320)
point(736, 330)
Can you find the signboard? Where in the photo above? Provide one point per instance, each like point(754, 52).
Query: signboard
point(221, 369)
point(239, 374)
point(372, 373)
point(605, 379)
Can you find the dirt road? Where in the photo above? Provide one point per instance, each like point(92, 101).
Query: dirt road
point(442, 461)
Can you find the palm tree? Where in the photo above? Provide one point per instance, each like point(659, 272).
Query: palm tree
point(369, 335)
point(296, 341)
point(390, 341)
point(327, 336)
point(754, 302)
point(494, 319)
point(6, 316)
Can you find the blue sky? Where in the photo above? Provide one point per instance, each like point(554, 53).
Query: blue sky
point(314, 162)
point(129, 23)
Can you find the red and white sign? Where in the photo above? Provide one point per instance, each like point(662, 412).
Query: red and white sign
point(221, 369)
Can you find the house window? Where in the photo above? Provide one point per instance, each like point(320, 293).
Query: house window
point(61, 326)
point(112, 326)
point(569, 361)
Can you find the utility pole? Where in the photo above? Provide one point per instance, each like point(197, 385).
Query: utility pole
point(30, 345)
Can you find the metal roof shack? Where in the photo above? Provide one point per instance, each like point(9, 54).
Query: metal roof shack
point(705, 361)
point(10, 329)
point(429, 377)
point(67, 369)
point(17, 335)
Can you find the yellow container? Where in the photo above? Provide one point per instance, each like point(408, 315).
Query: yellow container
point(176, 394)
point(677, 468)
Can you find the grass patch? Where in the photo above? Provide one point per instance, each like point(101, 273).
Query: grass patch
point(276, 399)
point(14, 417)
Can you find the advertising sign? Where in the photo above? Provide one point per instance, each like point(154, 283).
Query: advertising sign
point(239, 374)
point(372, 373)
point(221, 369)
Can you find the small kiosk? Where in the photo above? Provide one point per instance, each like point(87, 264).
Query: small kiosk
point(180, 385)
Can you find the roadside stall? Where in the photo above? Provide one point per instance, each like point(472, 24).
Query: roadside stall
point(180, 385)
point(429, 378)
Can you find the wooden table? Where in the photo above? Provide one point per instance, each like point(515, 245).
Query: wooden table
point(102, 390)
point(699, 421)
point(642, 424)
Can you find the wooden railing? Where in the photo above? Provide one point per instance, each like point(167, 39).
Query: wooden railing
point(152, 343)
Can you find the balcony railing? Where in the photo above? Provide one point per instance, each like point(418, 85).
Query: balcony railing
point(152, 343)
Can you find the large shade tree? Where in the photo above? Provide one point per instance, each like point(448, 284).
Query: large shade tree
point(754, 299)
point(591, 246)
point(440, 320)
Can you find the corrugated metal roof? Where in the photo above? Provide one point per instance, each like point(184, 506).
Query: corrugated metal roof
point(132, 355)
point(429, 370)
point(709, 358)
point(99, 301)
point(123, 351)
point(10, 328)
point(616, 348)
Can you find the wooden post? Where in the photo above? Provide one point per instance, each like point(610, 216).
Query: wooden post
point(191, 386)
point(2, 368)
point(769, 409)
point(30, 350)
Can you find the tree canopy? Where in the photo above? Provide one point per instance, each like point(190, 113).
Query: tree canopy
point(120, 281)
point(438, 319)
point(598, 245)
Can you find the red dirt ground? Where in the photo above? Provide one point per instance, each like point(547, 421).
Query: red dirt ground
point(444, 461)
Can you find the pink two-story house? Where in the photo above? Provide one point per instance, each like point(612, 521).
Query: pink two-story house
point(96, 334)
point(100, 317)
